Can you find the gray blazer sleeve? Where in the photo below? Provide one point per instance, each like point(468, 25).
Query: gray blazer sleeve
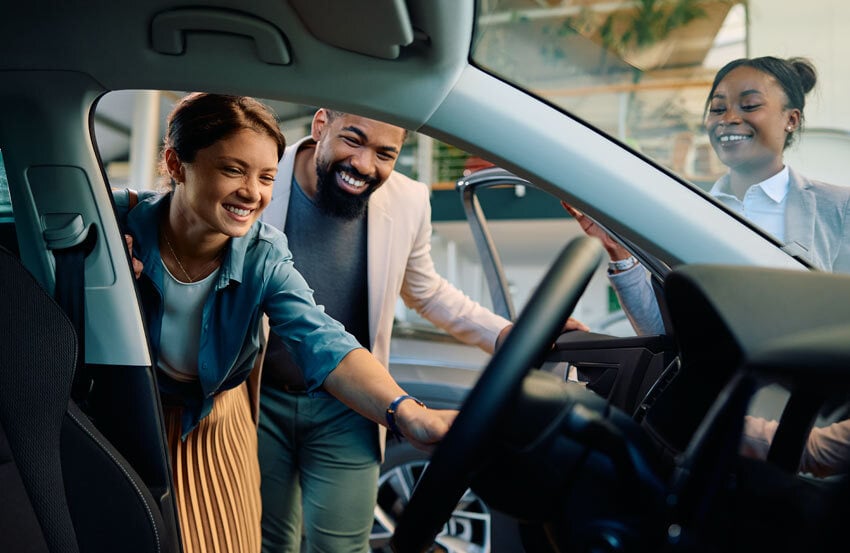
point(638, 300)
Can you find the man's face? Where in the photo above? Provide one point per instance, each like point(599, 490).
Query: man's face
point(354, 157)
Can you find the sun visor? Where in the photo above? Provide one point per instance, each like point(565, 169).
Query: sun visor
point(376, 28)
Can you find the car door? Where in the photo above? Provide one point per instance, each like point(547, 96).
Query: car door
point(623, 369)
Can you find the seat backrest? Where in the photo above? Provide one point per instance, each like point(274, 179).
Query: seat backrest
point(37, 354)
point(18, 524)
point(84, 493)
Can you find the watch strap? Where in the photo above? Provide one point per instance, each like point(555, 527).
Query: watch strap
point(391, 411)
point(621, 265)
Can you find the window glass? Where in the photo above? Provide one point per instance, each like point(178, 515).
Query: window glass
point(8, 233)
point(641, 73)
point(524, 255)
point(5, 198)
point(527, 251)
point(129, 128)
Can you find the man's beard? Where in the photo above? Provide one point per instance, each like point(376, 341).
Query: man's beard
point(336, 202)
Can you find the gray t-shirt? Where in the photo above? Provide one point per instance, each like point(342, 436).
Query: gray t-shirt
point(331, 255)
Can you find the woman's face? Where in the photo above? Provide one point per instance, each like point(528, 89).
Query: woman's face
point(747, 121)
point(229, 184)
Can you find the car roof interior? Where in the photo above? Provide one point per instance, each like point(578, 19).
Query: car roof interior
point(253, 45)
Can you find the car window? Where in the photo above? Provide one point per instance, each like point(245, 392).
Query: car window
point(640, 72)
point(5, 198)
point(641, 82)
point(129, 127)
point(8, 234)
point(529, 226)
point(524, 251)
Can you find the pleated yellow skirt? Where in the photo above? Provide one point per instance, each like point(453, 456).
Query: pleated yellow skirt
point(217, 477)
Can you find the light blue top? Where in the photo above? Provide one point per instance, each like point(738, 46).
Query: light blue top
point(256, 276)
point(181, 321)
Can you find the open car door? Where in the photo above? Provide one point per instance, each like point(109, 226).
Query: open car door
point(627, 371)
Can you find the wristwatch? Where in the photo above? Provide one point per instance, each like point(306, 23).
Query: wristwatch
point(391, 411)
point(622, 264)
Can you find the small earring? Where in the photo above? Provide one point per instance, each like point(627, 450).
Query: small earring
point(788, 128)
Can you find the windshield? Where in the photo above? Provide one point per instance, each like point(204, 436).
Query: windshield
point(639, 71)
point(642, 73)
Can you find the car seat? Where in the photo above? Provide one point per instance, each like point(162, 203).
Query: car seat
point(82, 492)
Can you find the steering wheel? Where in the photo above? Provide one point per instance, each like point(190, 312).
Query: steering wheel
point(474, 430)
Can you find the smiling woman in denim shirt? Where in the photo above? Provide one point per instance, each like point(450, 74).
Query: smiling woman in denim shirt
point(208, 270)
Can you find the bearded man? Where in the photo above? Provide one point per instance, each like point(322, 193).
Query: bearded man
point(360, 233)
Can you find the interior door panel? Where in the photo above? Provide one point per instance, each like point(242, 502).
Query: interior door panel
point(623, 370)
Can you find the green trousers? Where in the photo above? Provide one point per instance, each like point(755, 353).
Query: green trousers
point(319, 464)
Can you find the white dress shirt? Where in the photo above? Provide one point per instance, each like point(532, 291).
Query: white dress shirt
point(764, 202)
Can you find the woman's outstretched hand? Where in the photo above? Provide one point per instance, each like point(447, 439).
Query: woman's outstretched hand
point(614, 249)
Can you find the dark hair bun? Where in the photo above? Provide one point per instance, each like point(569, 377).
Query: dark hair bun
point(806, 70)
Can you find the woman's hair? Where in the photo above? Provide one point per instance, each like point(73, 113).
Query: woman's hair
point(199, 120)
point(796, 76)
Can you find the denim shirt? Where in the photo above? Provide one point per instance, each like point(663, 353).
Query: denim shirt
point(257, 276)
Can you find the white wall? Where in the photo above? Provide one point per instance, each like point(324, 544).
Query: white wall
point(818, 30)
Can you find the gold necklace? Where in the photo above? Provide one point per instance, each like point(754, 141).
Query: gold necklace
point(177, 259)
point(203, 270)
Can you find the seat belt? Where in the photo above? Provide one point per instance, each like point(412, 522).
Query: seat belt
point(71, 242)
